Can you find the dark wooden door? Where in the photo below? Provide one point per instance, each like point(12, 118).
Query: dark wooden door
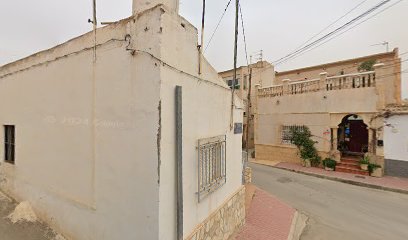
point(358, 136)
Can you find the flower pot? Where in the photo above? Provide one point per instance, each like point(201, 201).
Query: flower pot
point(328, 169)
point(308, 164)
point(364, 167)
point(377, 172)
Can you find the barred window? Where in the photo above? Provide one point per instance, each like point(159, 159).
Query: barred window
point(237, 84)
point(211, 165)
point(9, 143)
point(286, 134)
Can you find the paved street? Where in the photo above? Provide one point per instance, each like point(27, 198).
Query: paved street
point(337, 210)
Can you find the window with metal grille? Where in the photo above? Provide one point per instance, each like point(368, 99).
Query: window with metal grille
point(230, 82)
point(9, 143)
point(211, 165)
point(286, 133)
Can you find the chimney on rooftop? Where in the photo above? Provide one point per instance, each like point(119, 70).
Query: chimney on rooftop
point(142, 5)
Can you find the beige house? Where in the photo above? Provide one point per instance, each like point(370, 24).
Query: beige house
point(123, 139)
point(338, 101)
point(262, 75)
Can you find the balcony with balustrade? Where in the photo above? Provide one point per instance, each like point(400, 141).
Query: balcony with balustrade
point(324, 83)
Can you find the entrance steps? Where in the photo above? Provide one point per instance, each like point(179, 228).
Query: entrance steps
point(349, 164)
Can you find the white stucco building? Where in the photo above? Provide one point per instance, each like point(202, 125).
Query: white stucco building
point(396, 141)
point(103, 150)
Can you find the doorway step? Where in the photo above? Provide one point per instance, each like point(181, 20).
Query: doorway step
point(349, 164)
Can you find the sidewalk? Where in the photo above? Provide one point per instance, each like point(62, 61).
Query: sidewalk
point(386, 183)
point(267, 217)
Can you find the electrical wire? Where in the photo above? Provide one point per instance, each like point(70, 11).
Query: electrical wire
point(339, 34)
point(218, 25)
point(308, 46)
point(244, 35)
point(324, 29)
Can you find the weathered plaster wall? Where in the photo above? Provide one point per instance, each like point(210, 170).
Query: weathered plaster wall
point(396, 138)
point(95, 142)
point(86, 146)
point(396, 146)
point(206, 113)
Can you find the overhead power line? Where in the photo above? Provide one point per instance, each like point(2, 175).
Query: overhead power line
point(324, 29)
point(218, 25)
point(308, 46)
point(341, 33)
point(243, 33)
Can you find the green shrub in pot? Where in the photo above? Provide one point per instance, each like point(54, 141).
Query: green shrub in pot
point(329, 163)
point(364, 162)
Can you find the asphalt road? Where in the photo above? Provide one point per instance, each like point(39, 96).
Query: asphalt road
point(337, 210)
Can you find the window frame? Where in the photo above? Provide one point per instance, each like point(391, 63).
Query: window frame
point(285, 133)
point(211, 165)
point(9, 144)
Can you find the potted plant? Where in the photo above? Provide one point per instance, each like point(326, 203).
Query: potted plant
point(329, 164)
point(364, 162)
point(301, 138)
point(375, 170)
point(307, 163)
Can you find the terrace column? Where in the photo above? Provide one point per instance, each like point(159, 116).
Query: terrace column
point(255, 112)
point(286, 90)
point(380, 85)
point(142, 5)
point(336, 155)
point(371, 141)
point(323, 81)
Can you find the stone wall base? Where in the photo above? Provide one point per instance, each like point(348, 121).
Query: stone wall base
point(281, 153)
point(223, 222)
point(248, 175)
point(396, 168)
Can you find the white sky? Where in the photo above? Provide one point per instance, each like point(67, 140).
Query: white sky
point(276, 27)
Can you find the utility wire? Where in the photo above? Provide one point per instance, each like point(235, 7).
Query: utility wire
point(308, 46)
point(218, 25)
point(324, 29)
point(343, 33)
point(243, 33)
point(339, 34)
point(385, 61)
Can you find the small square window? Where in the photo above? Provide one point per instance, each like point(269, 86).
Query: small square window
point(9, 143)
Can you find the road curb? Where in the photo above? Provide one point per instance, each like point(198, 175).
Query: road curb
point(351, 182)
point(298, 225)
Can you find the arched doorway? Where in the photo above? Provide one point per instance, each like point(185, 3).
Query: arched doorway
point(352, 135)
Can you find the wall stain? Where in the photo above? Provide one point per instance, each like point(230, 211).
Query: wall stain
point(159, 143)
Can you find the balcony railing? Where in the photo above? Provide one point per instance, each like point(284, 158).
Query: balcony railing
point(273, 91)
point(348, 81)
point(304, 86)
point(360, 80)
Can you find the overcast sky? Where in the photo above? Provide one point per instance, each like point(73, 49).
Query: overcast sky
point(275, 26)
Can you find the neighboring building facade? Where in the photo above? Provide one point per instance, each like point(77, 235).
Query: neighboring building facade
point(396, 141)
point(337, 101)
point(262, 75)
point(92, 144)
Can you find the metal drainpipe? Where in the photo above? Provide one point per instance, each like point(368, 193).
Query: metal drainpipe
point(179, 158)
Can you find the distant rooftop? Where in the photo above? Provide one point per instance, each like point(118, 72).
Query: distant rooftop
point(352, 60)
